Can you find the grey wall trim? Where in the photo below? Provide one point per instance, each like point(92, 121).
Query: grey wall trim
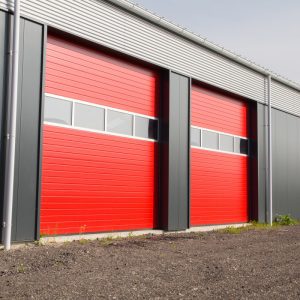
point(262, 162)
point(114, 27)
point(176, 204)
point(26, 169)
point(4, 83)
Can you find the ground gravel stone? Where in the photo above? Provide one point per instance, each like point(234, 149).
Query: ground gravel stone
point(253, 264)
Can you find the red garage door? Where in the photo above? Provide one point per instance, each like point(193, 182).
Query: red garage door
point(99, 143)
point(219, 161)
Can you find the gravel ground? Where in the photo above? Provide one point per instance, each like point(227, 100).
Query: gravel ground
point(254, 264)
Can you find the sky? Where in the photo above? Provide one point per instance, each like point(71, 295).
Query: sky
point(264, 31)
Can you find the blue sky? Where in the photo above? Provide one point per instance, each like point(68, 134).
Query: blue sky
point(265, 31)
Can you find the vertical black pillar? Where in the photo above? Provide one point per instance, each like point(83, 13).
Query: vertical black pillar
point(253, 162)
point(175, 152)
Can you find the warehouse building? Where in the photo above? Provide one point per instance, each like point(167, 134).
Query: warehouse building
point(127, 122)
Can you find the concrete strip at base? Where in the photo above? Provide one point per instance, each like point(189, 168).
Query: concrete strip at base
point(215, 227)
point(123, 234)
point(95, 236)
point(19, 245)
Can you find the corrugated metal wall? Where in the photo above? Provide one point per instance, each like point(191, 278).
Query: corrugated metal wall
point(116, 28)
point(285, 98)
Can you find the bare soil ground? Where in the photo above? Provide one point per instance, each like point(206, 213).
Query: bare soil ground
point(254, 264)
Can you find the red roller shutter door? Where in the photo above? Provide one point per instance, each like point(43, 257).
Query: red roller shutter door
point(219, 179)
point(91, 181)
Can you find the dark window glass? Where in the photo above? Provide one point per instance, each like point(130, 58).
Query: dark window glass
point(195, 137)
point(58, 111)
point(226, 143)
point(244, 146)
point(119, 122)
point(146, 128)
point(210, 139)
point(89, 116)
point(240, 145)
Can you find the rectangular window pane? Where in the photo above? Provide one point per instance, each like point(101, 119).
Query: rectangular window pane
point(210, 139)
point(226, 143)
point(240, 145)
point(146, 128)
point(88, 116)
point(58, 111)
point(119, 122)
point(195, 137)
point(244, 146)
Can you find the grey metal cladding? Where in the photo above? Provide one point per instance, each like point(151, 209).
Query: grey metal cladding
point(285, 98)
point(262, 162)
point(178, 206)
point(3, 84)
point(28, 126)
point(286, 161)
point(116, 28)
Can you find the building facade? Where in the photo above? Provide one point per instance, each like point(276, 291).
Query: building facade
point(128, 122)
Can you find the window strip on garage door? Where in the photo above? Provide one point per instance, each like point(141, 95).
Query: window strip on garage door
point(81, 115)
point(213, 140)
